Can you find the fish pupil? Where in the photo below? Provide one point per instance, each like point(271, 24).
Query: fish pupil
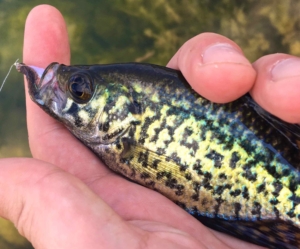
point(80, 88)
point(77, 89)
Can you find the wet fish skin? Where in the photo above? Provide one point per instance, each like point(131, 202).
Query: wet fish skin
point(233, 166)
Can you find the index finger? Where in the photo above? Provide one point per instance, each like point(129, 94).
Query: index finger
point(215, 67)
point(46, 41)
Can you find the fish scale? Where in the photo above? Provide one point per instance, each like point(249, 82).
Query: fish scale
point(233, 166)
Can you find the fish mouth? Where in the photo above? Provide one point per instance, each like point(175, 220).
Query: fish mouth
point(33, 75)
point(43, 87)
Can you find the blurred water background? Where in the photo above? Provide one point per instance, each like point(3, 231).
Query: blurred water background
point(107, 31)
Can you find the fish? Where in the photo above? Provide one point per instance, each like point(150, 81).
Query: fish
point(234, 167)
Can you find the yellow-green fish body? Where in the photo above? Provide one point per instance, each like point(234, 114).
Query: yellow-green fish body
point(233, 166)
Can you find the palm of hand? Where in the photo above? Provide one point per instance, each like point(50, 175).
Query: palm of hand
point(70, 199)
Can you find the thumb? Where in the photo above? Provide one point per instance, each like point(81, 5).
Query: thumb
point(53, 209)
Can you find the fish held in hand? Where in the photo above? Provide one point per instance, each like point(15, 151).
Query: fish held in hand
point(233, 166)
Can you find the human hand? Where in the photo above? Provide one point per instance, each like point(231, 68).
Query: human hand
point(66, 198)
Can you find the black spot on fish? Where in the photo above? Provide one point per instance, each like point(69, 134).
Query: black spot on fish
point(245, 193)
point(237, 209)
point(187, 132)
point(162, 151)
point(135, 122)
point(171, 130)
point(207, 175)
point(135, 107)
point(150, 184)
point(157, 131)
point(276, 211)
point(274, 201)
point(73, 109)
point(222, 176)
point(171, 183)
point(272, 171)
point(248, 174)
point(132, 131)
point(291, 213)
point(143, 158)
point(295, 199)
point(259, 157)
point(196, 188)
point(256, 209)
point(188, 176)
point(206, 181)
point(219, 189)
point(228, 144)
point(294, 183)
point(145, 175)
point(78, 121)
point(147, 122)
point(203, 134)
point(278, 186)
point(217, 206)
point(286, 172)
point(204, 201)
point(197, 167)
point(216, 157)
point(247, 146)
point(175, 158)
point(260, 188)
point(155, 163)
point(109, 136)
point(192, 145)
point(235, 193)
point(179, 190)
point(219, 137)
point(183, 168)
point(235, 157)
point(104, 127)
point(162, 174)
point(119, 146)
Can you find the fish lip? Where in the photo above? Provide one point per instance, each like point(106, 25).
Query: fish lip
point(33, 75)
point(43, 87)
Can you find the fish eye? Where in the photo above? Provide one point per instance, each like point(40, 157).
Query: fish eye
point(80, 87)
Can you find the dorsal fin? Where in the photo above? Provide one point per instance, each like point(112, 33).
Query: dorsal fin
point(269, 233)
point(288, 130)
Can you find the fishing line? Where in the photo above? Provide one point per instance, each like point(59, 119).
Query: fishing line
point(8, 74)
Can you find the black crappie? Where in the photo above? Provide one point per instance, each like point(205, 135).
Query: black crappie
point(232, 166)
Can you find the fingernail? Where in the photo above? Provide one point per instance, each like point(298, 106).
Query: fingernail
point(285, 69)
point(223, 52)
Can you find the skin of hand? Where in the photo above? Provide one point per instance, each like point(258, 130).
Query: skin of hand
point(64, 197)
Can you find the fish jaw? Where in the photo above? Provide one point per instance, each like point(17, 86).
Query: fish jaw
point(43, 87)
point(33, 75)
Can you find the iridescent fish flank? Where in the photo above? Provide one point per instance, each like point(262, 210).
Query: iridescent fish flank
point(233, 166)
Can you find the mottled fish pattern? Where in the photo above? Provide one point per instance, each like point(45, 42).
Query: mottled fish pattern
point(233, 166)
